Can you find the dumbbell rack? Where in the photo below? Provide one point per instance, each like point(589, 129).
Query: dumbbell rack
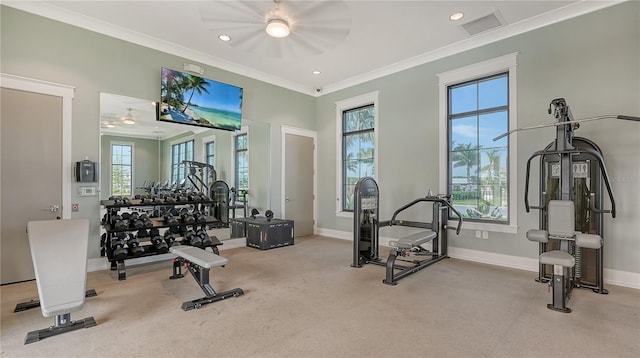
point(149, 250)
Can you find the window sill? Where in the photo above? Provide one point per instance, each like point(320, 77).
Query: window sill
point(344, 214)
point(473, 225)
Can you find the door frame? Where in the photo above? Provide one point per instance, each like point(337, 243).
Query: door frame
point(284, 130)
point(66, 92)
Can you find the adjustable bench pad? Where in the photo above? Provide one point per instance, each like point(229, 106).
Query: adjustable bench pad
point(199, 256)
point(414, 240)
point(557, 257)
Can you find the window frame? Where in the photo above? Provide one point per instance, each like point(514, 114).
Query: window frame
point(244, 130)
point(133, 156)
point(495, 66)
point(205, 141)
point(346, 105)
point(176, 165)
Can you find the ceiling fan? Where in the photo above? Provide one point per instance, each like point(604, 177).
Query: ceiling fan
point(302, 27)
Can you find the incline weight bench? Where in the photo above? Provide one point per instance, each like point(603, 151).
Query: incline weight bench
point(59, 254)
point(561, 226)
point(199, 262)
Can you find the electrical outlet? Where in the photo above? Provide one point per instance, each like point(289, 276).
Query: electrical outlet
point(477, 234)
point(485, 234)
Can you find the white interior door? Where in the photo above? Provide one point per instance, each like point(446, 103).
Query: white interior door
point(30, 175)
point(299, 198)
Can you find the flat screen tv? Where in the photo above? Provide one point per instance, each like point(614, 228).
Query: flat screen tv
point(193, 100)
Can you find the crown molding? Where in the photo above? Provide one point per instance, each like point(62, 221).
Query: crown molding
point(50, 11)
point(542, 20)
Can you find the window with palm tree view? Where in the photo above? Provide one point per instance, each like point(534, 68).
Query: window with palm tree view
point(358, 150)
point(478, 111)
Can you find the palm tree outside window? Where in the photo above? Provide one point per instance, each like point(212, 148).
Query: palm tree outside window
point(358, 150)
point(478, 111)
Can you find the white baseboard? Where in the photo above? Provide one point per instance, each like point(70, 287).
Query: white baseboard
point(611, 277)
point(101, 263)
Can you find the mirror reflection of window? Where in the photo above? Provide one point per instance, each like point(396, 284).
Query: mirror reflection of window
point(121, 169)
point(179, 152)
point(241, 162)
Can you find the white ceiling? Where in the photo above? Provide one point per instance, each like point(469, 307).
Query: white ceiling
point(348, 41)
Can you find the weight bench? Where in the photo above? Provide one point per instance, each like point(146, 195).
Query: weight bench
point(561, 226)
point(404, 247)
point(59, 254)
point(199, 262)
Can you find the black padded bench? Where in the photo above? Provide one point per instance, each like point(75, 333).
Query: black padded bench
point(199, 262)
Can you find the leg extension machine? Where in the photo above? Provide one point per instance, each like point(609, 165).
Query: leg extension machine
point(561, 214)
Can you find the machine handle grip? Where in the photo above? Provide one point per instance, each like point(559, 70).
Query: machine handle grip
point(628, 118)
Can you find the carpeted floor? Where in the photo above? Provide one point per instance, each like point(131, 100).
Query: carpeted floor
point(306, 301)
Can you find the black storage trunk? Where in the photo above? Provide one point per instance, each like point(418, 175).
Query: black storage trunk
point(238, 227)
point(264, 235)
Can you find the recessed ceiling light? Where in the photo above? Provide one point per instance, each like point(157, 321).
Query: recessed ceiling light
point(316, 72)
point(224, 38)
point(456, 16)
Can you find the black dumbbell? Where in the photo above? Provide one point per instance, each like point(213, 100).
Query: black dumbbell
point(190, 238)
point(145, 220)
point(169, 219)
point(142, 233)
point(117, 247)
point(170, 239)
point(134, 245)
point(119, 223)
point(134, 221)
point(269, 215)
point(158, 241)
point(199, 216)
point(187, 217)
point(204, 236)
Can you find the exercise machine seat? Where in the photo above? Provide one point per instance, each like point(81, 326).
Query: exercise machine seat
point(59, 254)
point(199, 256)
point(557, 257)
point(414, 240)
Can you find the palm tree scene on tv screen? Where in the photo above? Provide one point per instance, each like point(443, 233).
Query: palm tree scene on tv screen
point(190, 99)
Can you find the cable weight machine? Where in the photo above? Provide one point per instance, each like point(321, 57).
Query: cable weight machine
point(573, 178)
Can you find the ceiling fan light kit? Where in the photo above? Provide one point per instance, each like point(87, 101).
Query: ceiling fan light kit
point(277, 28)
point(129, 119)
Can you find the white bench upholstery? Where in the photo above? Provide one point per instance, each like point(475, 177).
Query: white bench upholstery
point(199, 256)
point(59, 255)
point(414, 240)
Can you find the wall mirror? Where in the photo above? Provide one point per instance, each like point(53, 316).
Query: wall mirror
point(136, 150)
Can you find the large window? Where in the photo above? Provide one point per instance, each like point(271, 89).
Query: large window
point(121, 169)
point(478, 112)
point(241, 161)
point(179, 152)
point(479, 103)
point(357, 137)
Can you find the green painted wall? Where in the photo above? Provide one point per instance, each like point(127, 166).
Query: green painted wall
point(592, 60)
point(37, 47)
